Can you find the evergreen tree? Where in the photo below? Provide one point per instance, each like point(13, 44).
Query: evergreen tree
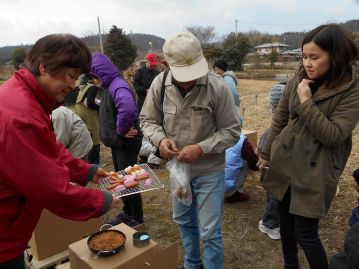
point(273, 57)
point(18, 57)
point(235, 49)
point(119, 48)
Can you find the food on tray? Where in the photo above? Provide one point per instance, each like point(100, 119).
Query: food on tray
point(130, 184)
point(142, 175)
point(120, 187)
point(112, 185)
point(148, 182)
point(132, 170)
point(137, 167)
point(106, 240)
point(129, 178)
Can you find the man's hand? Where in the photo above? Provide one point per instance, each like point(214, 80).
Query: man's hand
point(99, 174)
point(303, 90)
point(262, 163)
point(168, 148)
point(131, 133)
point(189, 153)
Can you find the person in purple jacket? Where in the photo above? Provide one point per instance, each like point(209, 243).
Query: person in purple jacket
point(126, 132)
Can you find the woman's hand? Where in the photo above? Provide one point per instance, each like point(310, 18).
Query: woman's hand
point(303, 90)
point(262, 163)
point(115, 201)
point(168, 148)
point(131, 133)
point(99, 174)
point(189, 153)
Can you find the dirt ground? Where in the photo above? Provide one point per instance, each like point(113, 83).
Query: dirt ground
point(244, 245)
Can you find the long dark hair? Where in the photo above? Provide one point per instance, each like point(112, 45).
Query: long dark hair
point(57, 52)
point(342, 50)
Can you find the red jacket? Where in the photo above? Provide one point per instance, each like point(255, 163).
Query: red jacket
point(35, 170)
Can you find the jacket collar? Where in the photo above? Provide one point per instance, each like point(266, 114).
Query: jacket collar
point(47, 102)
point(324, 93)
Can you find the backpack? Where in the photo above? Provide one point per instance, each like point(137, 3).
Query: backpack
point(108, 119)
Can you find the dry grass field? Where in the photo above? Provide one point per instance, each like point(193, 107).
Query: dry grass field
point(245, 246)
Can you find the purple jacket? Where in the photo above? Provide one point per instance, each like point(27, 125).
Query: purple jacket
point(119, 89)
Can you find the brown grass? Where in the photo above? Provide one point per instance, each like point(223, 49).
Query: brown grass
point(245, 246)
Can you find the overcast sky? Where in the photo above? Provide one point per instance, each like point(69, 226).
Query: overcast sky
point(25, 21)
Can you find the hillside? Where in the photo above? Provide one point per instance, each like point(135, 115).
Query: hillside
point(293, 39)
point(92, 41)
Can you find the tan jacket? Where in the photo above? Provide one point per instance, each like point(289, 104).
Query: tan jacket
point(309, 144)
point(205, 116)
point(71, 131)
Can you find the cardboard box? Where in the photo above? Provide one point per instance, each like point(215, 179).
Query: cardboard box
point(53, 234)
point(151, 256)
point(252, 137)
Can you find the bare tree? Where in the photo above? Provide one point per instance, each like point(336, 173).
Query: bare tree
point(205, 34)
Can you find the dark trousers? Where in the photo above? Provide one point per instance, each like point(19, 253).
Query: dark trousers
point(296, 229)
point(94, 155)
point(18, 263)
point(132, 204)
point(271, 215)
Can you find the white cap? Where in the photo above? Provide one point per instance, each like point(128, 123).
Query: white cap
point(184, 55)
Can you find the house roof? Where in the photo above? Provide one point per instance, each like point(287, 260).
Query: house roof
point(271, 45)
point(292, 52)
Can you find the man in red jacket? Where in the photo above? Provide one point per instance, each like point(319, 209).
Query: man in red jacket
point(36, 171)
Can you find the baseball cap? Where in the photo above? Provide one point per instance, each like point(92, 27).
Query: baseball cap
point(152, 58)
point(184, 55)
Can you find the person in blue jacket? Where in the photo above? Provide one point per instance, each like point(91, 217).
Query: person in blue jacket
point(349, 258)
point(239, 160)
point(221, 68)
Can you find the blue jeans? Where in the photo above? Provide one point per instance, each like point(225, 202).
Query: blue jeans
point(202, 221)
point(271, 214)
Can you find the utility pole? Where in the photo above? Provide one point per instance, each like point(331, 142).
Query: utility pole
point(99, 33)
point(236, 27)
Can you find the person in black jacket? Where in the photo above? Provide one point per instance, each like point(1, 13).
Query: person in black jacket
point(144, 77)
point(349, 258)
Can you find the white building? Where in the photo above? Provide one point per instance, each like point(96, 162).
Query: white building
point(267, 48)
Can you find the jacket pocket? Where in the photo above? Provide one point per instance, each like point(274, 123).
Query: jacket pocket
point(169, 119)
point(202, 123)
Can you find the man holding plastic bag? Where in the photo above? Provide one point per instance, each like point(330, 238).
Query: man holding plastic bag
point(193, 119)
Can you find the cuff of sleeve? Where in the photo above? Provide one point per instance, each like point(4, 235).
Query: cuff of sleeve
point(91, 173)
point(204, 147)
point(303, 106)
point(156, 141)
point(264, 156)
point(107, 202)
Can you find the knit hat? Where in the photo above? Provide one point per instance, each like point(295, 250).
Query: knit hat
point(184, 55)
point(221, 64)
point(275, 94)
point(152, 59)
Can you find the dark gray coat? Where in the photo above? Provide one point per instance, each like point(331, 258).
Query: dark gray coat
point(309, 144)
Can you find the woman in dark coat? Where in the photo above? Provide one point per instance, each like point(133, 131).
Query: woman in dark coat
point(310, 140)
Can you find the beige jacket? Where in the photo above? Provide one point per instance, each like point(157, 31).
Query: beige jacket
point(71, 131)
point(205, 116)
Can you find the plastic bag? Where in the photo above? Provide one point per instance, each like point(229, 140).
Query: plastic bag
point(179, 181)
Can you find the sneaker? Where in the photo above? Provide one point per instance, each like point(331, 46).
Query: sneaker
point(237, 197)
point(272, 233)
